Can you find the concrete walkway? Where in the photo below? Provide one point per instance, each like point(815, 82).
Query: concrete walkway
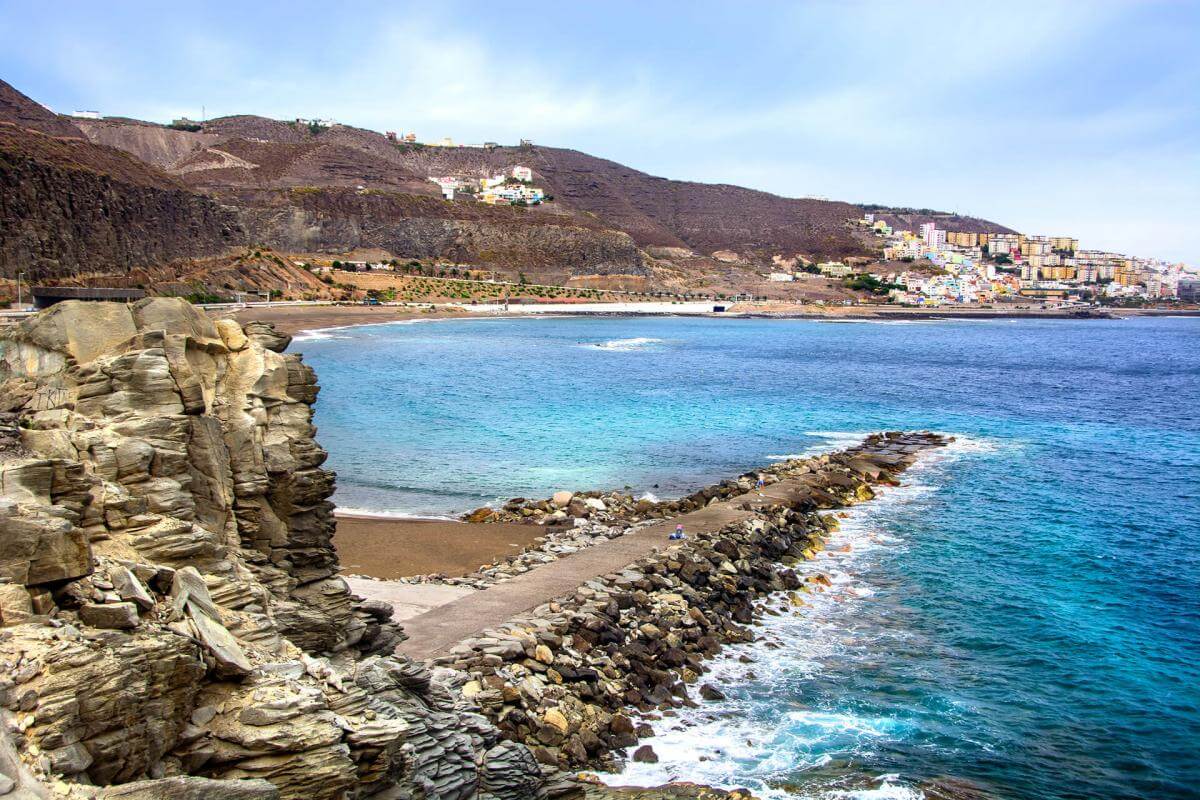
point(439, 629)
point(408, 599)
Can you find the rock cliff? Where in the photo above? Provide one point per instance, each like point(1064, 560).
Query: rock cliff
point(69, 207)
point(171, 622)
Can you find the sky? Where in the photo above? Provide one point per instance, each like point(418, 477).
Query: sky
point(1077, 118)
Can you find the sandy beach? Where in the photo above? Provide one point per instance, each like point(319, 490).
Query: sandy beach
point(291, 319)
point(388, 548)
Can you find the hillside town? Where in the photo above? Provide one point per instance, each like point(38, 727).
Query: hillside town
point(962, 267)
point(514, 189)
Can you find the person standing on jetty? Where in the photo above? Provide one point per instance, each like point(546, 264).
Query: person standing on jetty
point(761, 483)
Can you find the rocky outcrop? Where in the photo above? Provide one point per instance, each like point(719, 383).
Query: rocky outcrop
point(171, 620)
point(332, 220)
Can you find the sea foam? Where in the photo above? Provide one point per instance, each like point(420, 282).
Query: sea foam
point(744, 741)
point(626, 345)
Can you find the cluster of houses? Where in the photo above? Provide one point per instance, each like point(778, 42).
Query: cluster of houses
point(982, 267)
point(513, 189)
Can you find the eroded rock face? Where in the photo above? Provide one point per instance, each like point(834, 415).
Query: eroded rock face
point(171, 620)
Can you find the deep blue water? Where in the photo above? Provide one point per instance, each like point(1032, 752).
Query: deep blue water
point(1022, 618)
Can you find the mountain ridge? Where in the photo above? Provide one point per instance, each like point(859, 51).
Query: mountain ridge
point(247, 180)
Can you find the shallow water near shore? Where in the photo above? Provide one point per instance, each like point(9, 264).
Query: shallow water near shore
point(1020, 619)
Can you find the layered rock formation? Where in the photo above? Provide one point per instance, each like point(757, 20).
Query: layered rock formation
point(172, 622)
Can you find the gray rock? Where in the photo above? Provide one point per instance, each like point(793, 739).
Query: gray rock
point(119, 616)
point(70, 760)
point(190, 788)
point(130, 588)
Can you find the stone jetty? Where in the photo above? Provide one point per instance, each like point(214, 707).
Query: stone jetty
point(570, 677)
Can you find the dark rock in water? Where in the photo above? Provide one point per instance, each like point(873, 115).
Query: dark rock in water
point(710, 692)
point(645, 755)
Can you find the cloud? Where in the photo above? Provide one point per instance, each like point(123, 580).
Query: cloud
point(1032, 113)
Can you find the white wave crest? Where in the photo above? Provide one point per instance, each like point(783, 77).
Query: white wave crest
point(376, 513)
point(888, 789)
point(625, 345)
point(318, 335)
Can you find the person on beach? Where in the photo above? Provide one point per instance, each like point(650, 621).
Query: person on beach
point(761, 483)
point(678, 534)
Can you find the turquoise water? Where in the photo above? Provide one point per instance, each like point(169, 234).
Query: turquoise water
point(1021, 619)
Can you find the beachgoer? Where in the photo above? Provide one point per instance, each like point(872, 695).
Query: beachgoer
point(678, 534)
point(761, 483)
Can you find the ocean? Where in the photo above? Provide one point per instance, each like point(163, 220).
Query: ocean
point(1020, 619)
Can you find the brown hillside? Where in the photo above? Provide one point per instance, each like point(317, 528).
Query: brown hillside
point(26, 113)
point(68, 206)
point(654, 211)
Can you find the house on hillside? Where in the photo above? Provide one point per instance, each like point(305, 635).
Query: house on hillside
point(834, 269)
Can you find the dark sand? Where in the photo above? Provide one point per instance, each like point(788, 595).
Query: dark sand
point(395, 548)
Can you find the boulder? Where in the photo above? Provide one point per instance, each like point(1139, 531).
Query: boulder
point(127, 585)
point(556, 720)
point(16, 604)
point(119, 616)
point(645, 755)
point(562, 499)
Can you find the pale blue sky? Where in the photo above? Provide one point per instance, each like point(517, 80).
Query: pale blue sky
point(1075, 118)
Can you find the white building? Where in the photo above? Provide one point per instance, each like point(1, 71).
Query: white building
point(781, 277)
point(522, 174)
point(934, 238)
point(87, 114)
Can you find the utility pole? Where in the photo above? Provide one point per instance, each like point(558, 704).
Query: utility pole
point(20, 304)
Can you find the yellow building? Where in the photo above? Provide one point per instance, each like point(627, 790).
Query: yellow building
point(1126, 276)
point(962, 238)
point(1064, 243)
point(1060, 272)
point(1035, 247)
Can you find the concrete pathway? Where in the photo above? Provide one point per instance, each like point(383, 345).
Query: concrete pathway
point(409, 599)
point(437, 630)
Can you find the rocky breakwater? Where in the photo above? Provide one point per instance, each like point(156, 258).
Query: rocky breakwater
point(572, 677)
point(171, 621)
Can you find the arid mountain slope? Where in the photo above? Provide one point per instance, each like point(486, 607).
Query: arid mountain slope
point(255, 152)
point(25, 113)
point(115, 195)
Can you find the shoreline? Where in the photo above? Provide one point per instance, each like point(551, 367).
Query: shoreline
point(295, 320)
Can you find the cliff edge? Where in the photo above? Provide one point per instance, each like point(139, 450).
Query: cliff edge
point(171, 620)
